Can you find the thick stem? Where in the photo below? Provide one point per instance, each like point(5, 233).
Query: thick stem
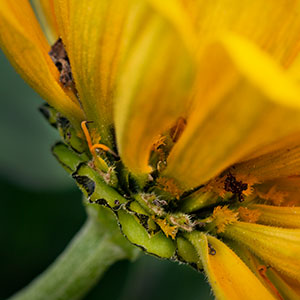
point(77, 269)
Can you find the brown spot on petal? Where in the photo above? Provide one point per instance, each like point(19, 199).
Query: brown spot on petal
point(60, 58)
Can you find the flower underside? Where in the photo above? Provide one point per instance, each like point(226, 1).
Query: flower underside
point(181, 122)
point(154, 211)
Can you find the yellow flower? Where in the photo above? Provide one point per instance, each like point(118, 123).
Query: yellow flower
point(189, 108)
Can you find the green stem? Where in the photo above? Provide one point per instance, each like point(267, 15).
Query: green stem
point(77, 269)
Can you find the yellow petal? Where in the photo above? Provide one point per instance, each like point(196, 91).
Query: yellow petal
point(46, 14)
point(23, 42)
point(174, 12)
point(278, 216)
point(62, 16)
point(280, 191)
point(153, 89)
point(98, 35)
point(257, 267)
point(287, 290)
point(246, 256)
point(292, 283)
point(279, 247)
point(279, 160)
point(269, 277)
point(273, 25)
point(229, 277)
point(240, 93)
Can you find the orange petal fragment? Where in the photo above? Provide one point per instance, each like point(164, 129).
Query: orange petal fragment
point(223, 129)
point(23, 42)
point(279, 247)
point(229, 277)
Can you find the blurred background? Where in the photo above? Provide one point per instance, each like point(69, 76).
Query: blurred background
point(41, 210)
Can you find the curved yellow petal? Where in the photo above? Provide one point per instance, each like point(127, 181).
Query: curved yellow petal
point(286, 289)
point(24, 44)
point(62, 17)
point(279, 247)
point(288, 217)
point(46, 14)
point(174, 12)
point(240, 93)
point(293, 284)
point(273, 25)
point(279, 160)
point(152, 92)
point(99, 33)
point(229, 277)
point(269, 277)
point(281, 191)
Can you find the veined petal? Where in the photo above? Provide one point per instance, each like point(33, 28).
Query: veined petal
point(99, 35)
point(279, 247)
point(240, 92)
point(152, 93)
point(229, 277)
point(288, 290)
point(46, 14)
point(62, 16)
point(278, 215)
point(174, 12)
point(281, 159)
point(27, 49)
point(267, 275)
point(246, 256)
point(273, 25)
point(292, 283)
point(281, 191)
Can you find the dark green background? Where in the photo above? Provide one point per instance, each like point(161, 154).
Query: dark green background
point(41, 210)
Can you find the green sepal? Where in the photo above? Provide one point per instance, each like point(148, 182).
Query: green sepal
point(117, 199)
point(49, 113)
point(136, 207)
point(187, 252)
point(157, 244)
point(67, 157)
point(95, 188)
point(68, 133)
point(98, 192)
point(142, 216)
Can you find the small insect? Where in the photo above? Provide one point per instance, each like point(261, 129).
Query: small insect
point(211, 249)
point(235, 187)
point(60, 58)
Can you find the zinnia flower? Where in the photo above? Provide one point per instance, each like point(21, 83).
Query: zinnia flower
point(183, 118)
